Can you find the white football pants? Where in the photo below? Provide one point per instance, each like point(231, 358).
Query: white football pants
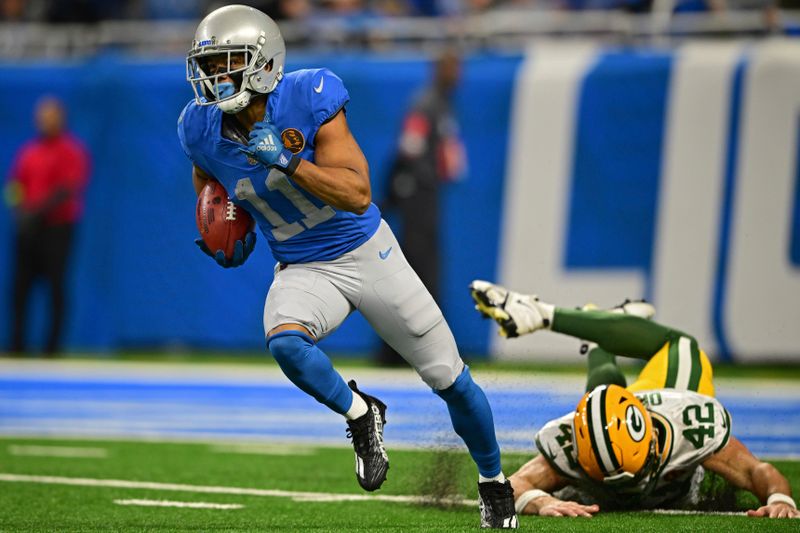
point(376, 280)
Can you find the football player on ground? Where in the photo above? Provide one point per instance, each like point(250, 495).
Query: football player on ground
point(280, 145)
point(643, 446)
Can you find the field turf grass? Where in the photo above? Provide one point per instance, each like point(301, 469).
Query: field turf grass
point(29, 506)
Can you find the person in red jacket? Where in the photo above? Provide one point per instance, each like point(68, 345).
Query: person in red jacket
point(45, 191)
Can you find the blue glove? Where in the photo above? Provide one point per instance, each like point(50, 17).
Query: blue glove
point(267, 148)
point(241, 251)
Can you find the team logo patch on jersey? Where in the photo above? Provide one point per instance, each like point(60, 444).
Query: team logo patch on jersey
point(635, 422)
point(293, 140)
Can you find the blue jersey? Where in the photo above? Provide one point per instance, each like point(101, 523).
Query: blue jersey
point(298, 226)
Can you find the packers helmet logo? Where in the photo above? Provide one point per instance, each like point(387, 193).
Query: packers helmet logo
point(293, 140)
point(634, 419)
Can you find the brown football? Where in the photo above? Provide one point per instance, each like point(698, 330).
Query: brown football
point(220, 221)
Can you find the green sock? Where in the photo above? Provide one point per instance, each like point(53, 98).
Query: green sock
point(603, 370)
point(630, 336)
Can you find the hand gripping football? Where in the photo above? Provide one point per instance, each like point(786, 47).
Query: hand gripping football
point(221, 222)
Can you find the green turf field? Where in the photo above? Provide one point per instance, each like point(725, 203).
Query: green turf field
point(228, 473)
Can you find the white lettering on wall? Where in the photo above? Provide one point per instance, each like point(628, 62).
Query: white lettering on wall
point(762, 311)
point(537, 197)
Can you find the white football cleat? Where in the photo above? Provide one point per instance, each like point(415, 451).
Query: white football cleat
point(515, 313)
point(640, 308)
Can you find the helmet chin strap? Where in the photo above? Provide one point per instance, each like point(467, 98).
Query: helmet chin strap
point(237, 103)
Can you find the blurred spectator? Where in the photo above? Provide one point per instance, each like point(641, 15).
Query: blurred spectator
point(12, 10)
point(344, 7)
point(173, 9)
point(64, 11)
point(430, 154)
point(73, 11)
point(294, 9)
point(45, 191)
point(276, 9)
point(21, 10)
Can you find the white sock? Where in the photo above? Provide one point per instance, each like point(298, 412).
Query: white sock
point(357, 408)
point(548, 310)
point(500, 478)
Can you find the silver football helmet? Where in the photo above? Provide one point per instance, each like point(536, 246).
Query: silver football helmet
point(235, 31)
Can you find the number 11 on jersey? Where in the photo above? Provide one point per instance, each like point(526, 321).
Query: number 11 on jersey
point(281, 229)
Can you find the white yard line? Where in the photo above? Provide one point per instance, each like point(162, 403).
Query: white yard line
point(169, 503)
point(316, 497)
point(57, 451)
point(263, 449)
point(274, 493)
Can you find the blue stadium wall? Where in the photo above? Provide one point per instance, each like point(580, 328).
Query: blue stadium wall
point(572, 157)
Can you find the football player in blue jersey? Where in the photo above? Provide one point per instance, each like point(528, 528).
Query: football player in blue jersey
point(280, 145)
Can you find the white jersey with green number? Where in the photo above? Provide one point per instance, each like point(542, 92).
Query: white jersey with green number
point(690, 428)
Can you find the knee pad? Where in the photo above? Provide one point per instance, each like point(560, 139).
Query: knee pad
point(462, 385)
point(439, 377)
point(289, 347)
point(437, 361)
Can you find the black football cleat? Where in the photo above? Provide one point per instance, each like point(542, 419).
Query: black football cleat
point(497, 505)
point(366, 431)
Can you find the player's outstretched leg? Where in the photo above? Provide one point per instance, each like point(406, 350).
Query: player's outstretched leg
point(397, 305)
point(311, 370)
point(473, 422)
point(624, 330)
point(628, 334)
point(640, 308)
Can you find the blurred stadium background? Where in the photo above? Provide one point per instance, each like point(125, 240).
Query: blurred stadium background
point(610, 153)
point(616, 148)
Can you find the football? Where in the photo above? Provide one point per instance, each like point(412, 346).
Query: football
point(221, 222)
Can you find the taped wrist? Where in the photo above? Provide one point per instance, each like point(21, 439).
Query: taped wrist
point(779, 497)
point(287, 162)
point(527, 497)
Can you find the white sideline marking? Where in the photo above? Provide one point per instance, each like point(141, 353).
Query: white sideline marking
point(263, 449)
point(57, 451)
point(169, 503)
point(317, 497)
point(150, 485)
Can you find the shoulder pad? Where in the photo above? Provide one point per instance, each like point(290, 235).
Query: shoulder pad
point(556, 443)
point(193, 126)
point(184, 120)
point(702, 426)
point(324, 92)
